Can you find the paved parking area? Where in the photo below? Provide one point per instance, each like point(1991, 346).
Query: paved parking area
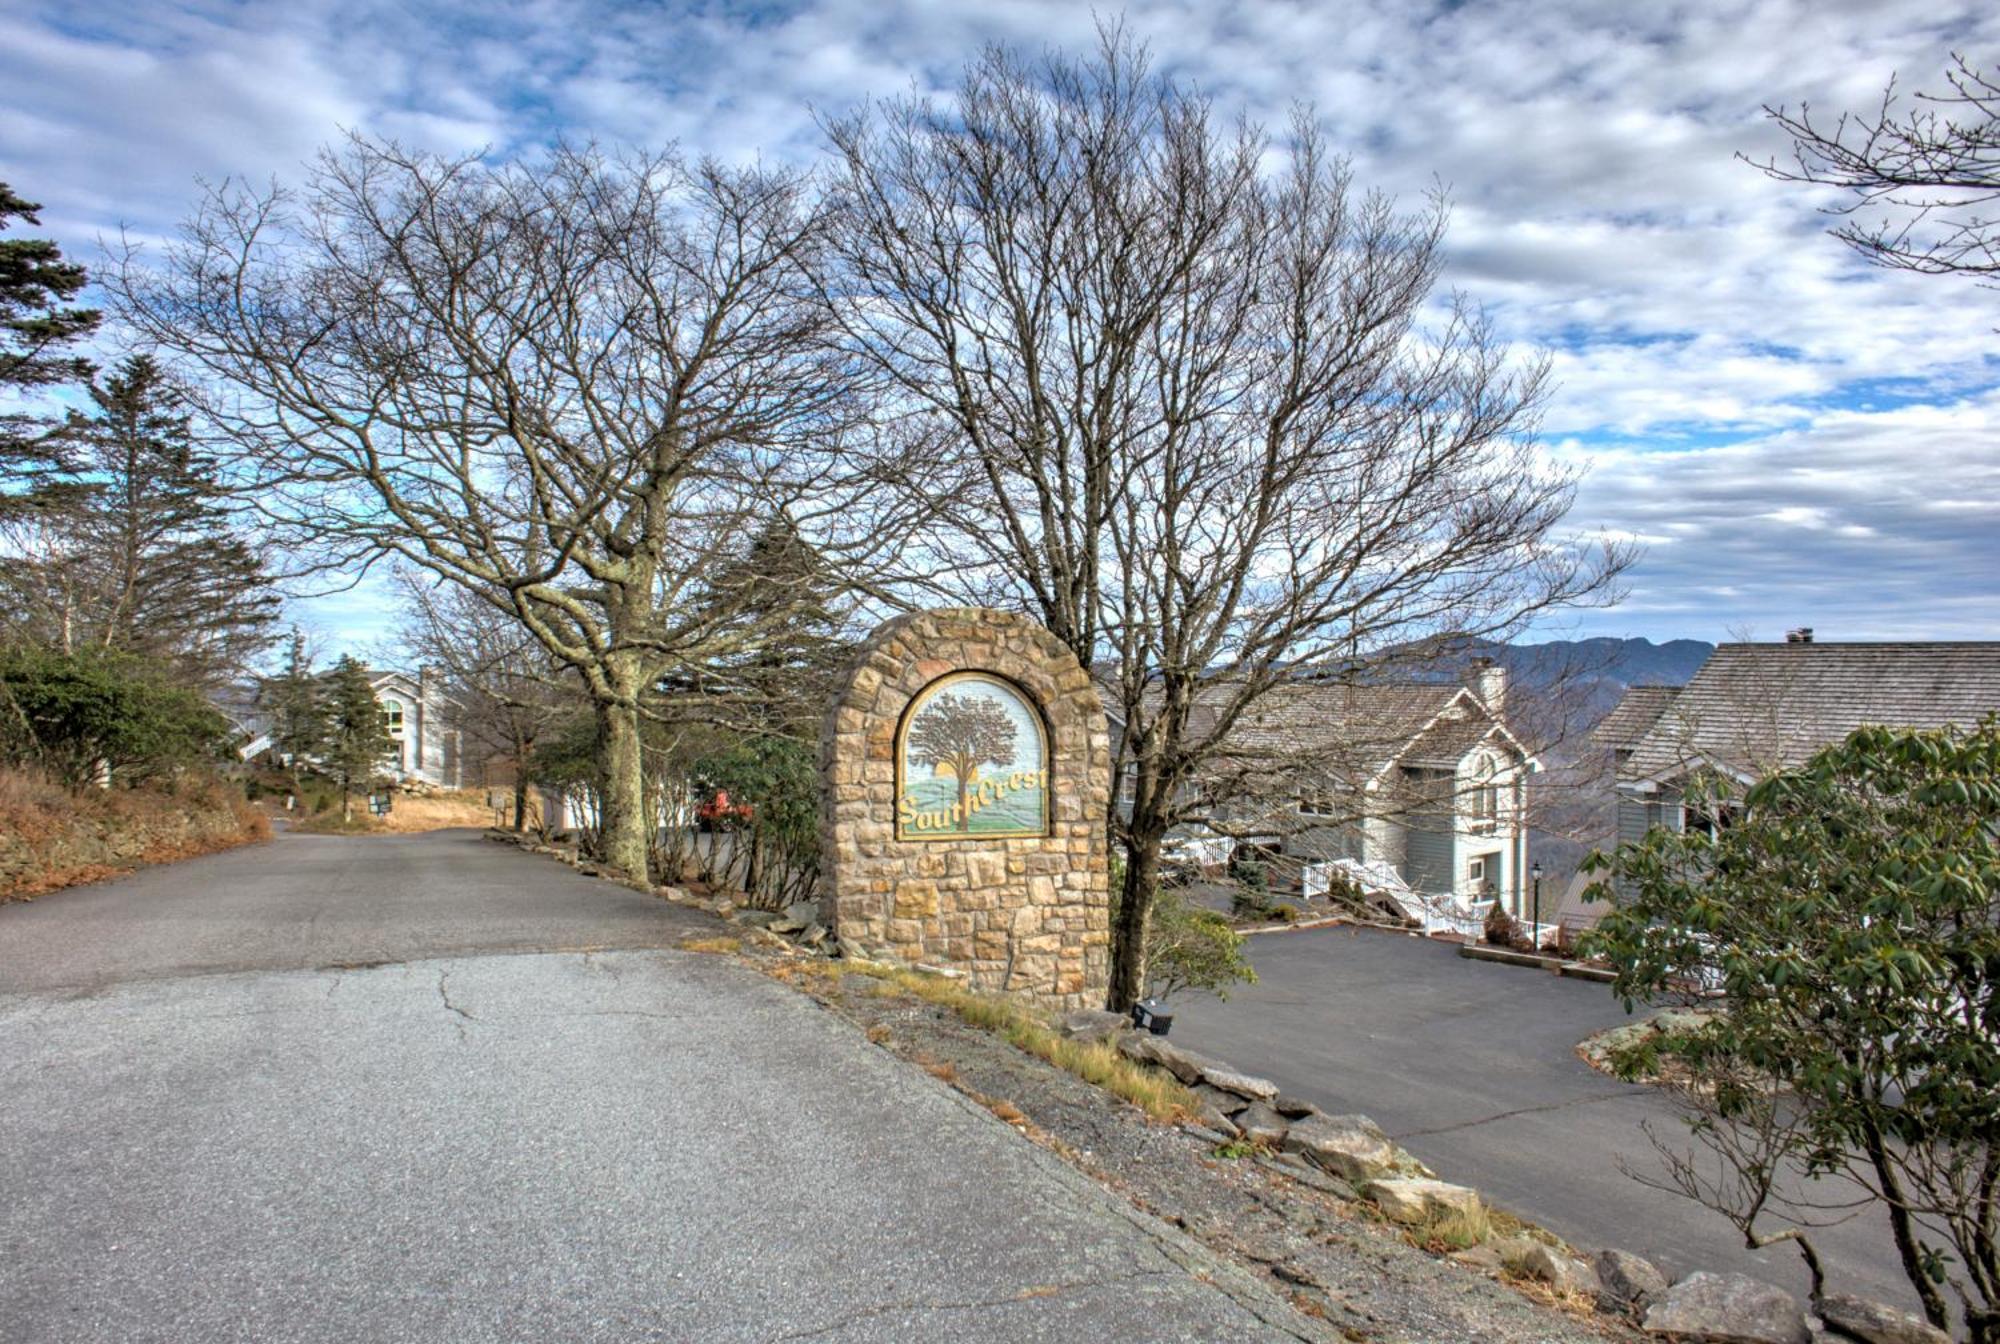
point(1472, 1066)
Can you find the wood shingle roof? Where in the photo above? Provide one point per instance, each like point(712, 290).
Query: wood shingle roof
point(1760, 707)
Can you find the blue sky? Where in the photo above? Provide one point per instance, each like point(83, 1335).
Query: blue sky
point(1795, 439)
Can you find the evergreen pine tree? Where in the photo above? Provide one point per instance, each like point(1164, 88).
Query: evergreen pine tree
point(298, 711)
point(175, 581)
point(357, 731)
point(37, 328)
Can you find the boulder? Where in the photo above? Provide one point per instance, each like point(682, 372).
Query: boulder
point(802, 913)
point(1628, 1280)
point(1292, 1107)
point(1226, 1102)
point(1092, 1024)
point(786, 924)
point(1261, 1124)
point(814, 935)
point(1352, 1147)
point(756, 919)
point(1412, 1199)
point(1728, 1309)
point(1542, 1262)
point(1147, 1048)
point(1874, 1323)
point(1483, 1258)
point(1242, 1084)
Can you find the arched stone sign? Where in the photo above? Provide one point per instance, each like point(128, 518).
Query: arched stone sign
point(965, 769)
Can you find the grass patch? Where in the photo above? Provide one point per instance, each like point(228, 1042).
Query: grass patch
point(721, 945)
point(1454, 1229)
point(1096, 1062)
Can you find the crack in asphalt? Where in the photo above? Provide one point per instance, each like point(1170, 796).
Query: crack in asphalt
point(1520, 1110)
point(444, 996)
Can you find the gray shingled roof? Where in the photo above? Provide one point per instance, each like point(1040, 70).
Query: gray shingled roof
point(1633, 717)
point(1758, 707)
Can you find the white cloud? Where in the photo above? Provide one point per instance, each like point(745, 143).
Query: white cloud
point(1599, 209)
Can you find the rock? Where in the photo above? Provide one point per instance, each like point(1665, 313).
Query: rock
point(1483, 1258)
point(803, 913)
point(1147, 1048)
point(1215, 1137)
point(1874, 1323)
point(942, 972)
point(1628, 1280)
point(1291, 1168)
point(1242, 1084)
point(1292, 1108)
point(1207, 1117)
point(786, 924)
point(1728, 1309)
point(1092, 1024)
point(1261, 1124)
point(1538, 1260)
point(1228, 1103)
point(814, 935)
point(1352, 1147)
point(756, 919)
point(1412, 1199)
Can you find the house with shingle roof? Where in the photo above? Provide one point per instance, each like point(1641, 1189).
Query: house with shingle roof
point(1756, 708)
point(1420, 781)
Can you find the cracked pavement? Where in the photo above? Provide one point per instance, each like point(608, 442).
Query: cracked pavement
point(1471, 1065)
point(224, 1119)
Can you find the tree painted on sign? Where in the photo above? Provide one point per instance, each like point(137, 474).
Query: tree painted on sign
point(961, 733)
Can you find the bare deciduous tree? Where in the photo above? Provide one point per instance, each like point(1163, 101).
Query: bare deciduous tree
point(510, 692)
point(571, 387)
point(1188, 399)
point(1921, 182)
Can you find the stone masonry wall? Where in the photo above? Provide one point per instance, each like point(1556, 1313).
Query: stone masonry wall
point(1028, 915)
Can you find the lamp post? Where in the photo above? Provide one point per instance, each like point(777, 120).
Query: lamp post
point(1535, 874)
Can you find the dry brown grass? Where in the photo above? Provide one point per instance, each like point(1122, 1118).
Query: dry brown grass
point(51, 838)
point(409, 814)
point(720, 946)
point(1097, 1062)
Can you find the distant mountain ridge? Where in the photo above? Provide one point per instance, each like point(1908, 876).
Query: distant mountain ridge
point(1629, 662)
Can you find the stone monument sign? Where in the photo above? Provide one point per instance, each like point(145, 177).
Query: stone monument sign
point(965, 769)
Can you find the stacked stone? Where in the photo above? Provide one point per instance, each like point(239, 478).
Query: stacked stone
point(1028, 915)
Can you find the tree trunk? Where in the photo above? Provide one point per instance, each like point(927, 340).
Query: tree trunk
point(520, 799)
point(1135, 913)
point(621, 838)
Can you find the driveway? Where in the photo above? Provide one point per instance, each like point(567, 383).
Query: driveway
point(430, 1088)
point(1472, 1066)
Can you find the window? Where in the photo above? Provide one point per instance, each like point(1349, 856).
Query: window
point(1482, 873)
point(1485, 795)
point(1476, 870)
point(1709, 819)
point(394, 710)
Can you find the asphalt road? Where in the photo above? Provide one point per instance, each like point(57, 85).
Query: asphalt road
point(1471, 1065)
point(428, 1088)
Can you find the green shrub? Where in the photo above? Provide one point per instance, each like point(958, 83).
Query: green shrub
point(76, 714)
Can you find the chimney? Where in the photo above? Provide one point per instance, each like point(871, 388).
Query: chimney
point(1802, 635)
point(1489, 683)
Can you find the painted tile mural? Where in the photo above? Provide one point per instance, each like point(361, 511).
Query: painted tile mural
point(971, 763)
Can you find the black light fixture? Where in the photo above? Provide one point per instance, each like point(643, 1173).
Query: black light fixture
point(1148, 1016)
point(1535, 872)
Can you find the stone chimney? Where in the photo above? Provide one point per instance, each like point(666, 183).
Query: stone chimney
point(1489, 683)
point(1802, 635)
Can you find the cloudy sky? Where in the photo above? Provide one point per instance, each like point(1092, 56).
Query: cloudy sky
point(1794, 438)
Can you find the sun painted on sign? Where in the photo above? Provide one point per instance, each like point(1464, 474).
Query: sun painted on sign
point(971, 762)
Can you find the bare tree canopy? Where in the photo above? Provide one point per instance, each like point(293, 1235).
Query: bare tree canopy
point(572, 387)
point(1922, 180)
point(1192, 399)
